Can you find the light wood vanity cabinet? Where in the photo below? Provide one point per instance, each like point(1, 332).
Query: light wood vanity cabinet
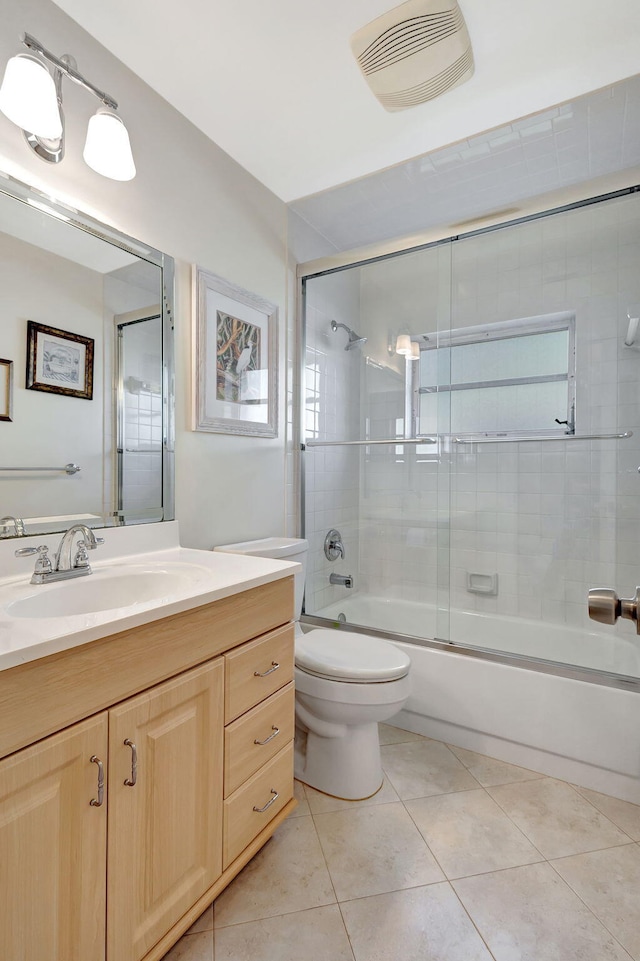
point(53, 847)
point(164, 807)
point(186, 801)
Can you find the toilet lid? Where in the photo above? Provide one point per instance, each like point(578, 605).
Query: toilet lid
point(342, 655)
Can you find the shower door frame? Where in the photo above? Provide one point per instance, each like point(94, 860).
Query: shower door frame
point(340, 262)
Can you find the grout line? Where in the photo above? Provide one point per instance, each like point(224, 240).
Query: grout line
point(589, 909)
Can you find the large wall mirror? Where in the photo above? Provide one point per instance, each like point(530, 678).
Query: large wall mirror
point(86, 371)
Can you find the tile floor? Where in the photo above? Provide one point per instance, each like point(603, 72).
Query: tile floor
point(458, 858)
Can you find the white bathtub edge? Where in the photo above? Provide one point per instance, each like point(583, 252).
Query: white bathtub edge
point(583, 733)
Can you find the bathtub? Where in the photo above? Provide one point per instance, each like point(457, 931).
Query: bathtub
point(584, 732)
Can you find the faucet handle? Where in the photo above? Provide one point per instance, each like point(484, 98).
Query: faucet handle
point(43, 564)
point(29, 551)
point(333, 546)
point(82, 558)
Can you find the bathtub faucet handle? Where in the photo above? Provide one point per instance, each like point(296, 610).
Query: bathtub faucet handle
point(333, 546)
point(606, 607)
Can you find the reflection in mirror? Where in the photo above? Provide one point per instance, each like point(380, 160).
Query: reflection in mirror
point(62, 270)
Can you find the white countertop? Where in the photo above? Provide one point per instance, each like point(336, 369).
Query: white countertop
point(209, 577)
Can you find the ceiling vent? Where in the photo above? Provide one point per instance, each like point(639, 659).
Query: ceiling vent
point(415, 52)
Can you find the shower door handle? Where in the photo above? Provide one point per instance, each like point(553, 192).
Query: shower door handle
point(606, 607)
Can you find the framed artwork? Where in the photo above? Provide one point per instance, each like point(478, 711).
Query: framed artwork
point(6, 389)
point(236, 362)
point(59, 362)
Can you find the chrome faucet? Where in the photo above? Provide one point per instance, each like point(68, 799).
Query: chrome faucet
point(45, 572)
point(343, 580)
point(62, 560)
point(18, 525)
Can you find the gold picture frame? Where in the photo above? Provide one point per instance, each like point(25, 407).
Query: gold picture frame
point(6, 389)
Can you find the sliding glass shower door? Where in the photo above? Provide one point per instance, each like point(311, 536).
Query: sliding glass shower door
point(478, 447)
point(366, 472)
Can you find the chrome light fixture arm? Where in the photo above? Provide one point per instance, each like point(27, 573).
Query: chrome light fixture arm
point(52, 151)
point(68, 66)
point(32, 99)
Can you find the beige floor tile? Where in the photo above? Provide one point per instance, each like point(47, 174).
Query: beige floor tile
point(530, 914)
point(489, 771)
point(288, 874)
point(470, 834)
point(422, 924)
point(299, 793)
point(204, 922)
point(395, 735)
point(555, 818)
point(320, 803)
point(192, 947)
point(315, 935)
point(425, 768)
point(609, 883)
point(373, 850)
point(623, 814)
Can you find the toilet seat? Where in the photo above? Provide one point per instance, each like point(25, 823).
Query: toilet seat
point(353, 658)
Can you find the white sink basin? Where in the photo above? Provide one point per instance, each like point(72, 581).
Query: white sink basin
point(107, 589)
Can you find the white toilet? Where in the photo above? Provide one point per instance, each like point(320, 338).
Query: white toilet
point(345, 684)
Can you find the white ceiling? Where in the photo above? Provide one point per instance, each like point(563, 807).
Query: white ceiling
point(274, 83)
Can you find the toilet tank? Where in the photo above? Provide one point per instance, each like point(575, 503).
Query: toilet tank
point(282, 548)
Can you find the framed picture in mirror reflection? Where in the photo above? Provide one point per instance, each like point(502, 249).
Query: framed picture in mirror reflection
point(6, 389)
point(59, 362)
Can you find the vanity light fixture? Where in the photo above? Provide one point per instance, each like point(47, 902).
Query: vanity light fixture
point(32, 99)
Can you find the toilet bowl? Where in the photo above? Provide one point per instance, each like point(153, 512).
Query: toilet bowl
point(345, 684)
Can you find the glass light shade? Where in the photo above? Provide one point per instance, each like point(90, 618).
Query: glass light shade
point(107, 149)
point(415, 351)
point(403, 344)
point(28, 97)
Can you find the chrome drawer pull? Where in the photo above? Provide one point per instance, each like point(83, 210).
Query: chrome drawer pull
point(130, 782)
point(276, 731)
point(274, 667)
point(268, 804)
point(97, 802)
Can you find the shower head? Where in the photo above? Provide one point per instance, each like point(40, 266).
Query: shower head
point(355, 340)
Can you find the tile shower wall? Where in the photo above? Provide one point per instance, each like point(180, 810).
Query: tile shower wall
point(331, 412)
point(551, 519)
point(142, 472)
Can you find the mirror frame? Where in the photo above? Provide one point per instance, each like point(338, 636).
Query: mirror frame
point(11, 187)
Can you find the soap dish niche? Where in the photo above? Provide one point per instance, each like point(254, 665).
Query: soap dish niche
point(482, 583)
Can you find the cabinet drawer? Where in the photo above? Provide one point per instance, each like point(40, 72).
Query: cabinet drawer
point(256, 737)
point(241, 821)
point(256, 670)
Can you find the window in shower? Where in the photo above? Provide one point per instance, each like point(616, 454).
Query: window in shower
point(312, 393)
point(511, 379)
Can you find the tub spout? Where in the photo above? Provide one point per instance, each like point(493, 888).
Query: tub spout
point(343, 580)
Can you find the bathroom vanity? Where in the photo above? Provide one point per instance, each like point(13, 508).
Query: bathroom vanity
point(145, 757)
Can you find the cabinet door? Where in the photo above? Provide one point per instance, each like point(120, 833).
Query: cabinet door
point(165, 830)
point(53, 848)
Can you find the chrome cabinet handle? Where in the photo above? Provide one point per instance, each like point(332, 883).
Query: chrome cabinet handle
point(268, 804)
point(274, 667)
point(130, 782)
point(97, 802)
point(276, 731)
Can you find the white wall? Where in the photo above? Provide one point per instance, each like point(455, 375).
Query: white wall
point(49, 429)
point(193, 201)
